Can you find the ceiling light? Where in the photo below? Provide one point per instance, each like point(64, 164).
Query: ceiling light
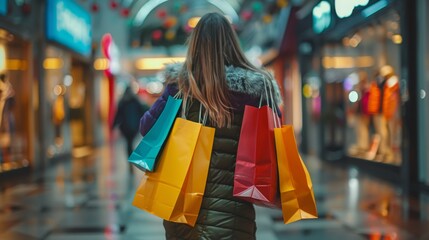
point(101, 64)
point(53, 63)
point(156, 63)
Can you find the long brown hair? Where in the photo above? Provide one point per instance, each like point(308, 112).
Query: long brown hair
point(212, 45)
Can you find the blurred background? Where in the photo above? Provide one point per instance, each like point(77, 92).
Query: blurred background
point(353, 76)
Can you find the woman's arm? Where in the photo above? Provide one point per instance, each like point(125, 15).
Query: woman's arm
point(149, 118)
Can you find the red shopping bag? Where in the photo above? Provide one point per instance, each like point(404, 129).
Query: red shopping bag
point(255, 177)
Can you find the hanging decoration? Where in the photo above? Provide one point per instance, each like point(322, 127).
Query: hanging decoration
point(246, 15)
point(267, 19)
point(157, 35)
point(114, 4)
point(95, 7)
point(170, 22)
point(161, 13)
point(257, 7)
point(170, 35)
point(125, 12)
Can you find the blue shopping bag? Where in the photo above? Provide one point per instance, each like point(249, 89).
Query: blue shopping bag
point(146, 153)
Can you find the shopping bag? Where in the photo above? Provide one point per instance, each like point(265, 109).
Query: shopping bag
point(146, 153)
point(174, 192)
point(189, 202)
point(296, 189)
point(255, 176)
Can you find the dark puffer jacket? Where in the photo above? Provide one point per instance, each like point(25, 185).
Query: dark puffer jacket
point(221, 216)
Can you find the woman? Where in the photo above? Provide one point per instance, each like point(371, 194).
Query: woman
point(217, 75)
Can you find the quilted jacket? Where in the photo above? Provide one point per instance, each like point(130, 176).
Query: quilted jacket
point(221, 215)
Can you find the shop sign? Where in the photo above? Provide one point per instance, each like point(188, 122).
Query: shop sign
point(344, 8)
point(322, 17)
point(3, 7)
point(69, 24)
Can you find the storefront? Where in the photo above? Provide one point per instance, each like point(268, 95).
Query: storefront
point(16, 116)
point(351, 64)
point(68, 85)
point(361, 77)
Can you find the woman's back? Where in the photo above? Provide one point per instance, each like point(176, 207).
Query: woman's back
point(223, 216)
point(217, 76)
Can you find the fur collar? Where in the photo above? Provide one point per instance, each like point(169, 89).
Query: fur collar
point(238, 80)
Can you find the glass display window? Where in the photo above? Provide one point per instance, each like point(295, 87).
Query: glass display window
point(15, 89)
point(362, 75)
point(69, 108)
point(57, 65)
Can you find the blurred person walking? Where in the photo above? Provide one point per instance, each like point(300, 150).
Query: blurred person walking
point(216, 75)
point(130, 110)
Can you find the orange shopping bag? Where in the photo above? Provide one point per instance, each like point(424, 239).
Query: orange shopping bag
point(296, 189)
point(174, 192)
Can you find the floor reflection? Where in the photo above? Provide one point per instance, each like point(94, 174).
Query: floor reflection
point(90, 198)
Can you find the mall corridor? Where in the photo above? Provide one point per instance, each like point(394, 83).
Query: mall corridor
point(79, 79)
point(90, 198)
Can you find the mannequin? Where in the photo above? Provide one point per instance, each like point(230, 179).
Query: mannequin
point(362, 116)
point(384, 119)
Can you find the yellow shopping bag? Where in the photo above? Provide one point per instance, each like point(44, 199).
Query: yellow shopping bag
point(175, 190)
point(159, 191)
point(190, 199)
point(296, 189)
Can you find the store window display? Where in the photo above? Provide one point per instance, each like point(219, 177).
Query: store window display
point(57, 66)
point(367, 62)
point(377, 129)
point(66, 82)
point(384, 119)
point(14, 102)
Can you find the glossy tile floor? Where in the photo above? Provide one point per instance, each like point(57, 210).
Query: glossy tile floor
point(90, 199)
